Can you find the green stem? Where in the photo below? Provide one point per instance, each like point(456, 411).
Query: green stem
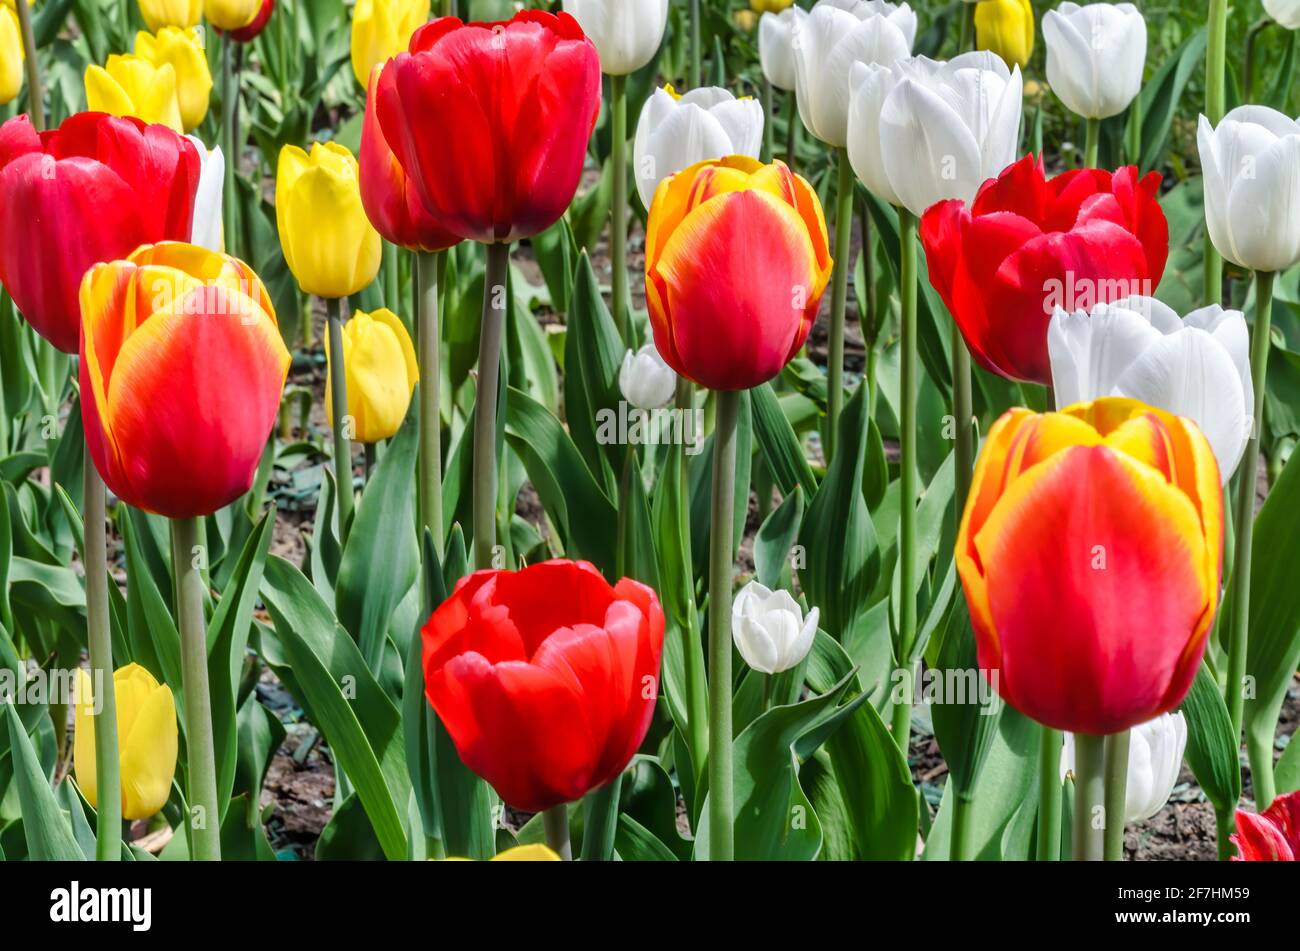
point(721, 813)
point(769, 126)
point(1092, 143)
point(1089, 796)
point(430, 494)
point(108, 785)
point(962, 806)
point(205, 815)
point(1243, 517)
point(697, 684)
point(618, 208)
point(907, 224)
point(1116, 766)
point(839, 300)
point(696, 53)
point(35, 91)
point(963, 412)
point(1216, 60)
point(339, 398)
point(555, 822)
point(791, 130)
point(601, 822)
point(229, 91)
point(1049, 795)
point(900, 724)
point(967, 38)
point(392, 277)
point(448, 8)
point(1261, 769)
point(485, 405)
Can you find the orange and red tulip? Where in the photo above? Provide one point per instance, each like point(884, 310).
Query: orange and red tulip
point(1091, 552)
point(1272, 835)
point(737, 260)
point(182, 368)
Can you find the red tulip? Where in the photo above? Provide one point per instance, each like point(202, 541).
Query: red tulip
point(246, 34)
point(391, 203)
point(545, 678)
point(1271, 836)
point(93, 190)
point(491, 120)
point(1028, 245)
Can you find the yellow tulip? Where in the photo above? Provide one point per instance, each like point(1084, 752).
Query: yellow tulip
point(769, 6)
point(520, 853)
point(146, 740)
point(329, 244)
point(160, 13)
point(1006, 27)
point(379, 360)
point(183, 49)
point(381, 29)
point(132, 86)
point(231, 14)
point(11, 56)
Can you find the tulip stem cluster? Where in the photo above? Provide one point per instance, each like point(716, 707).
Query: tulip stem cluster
point(205, 814)
point(721, 813)
point(1116, 765)
point(35, 92)
point(108, 823)
point(485, 404)
point(1050, 795)
point(338, 381)
point(427, 268)
point(1089, 797)
point(618, 208)
point(839, 300)
point(907, 288)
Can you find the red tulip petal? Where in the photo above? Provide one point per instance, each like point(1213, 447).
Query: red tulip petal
point(1258, 839)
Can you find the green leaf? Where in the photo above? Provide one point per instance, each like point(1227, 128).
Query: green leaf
point(964, 724)
point(45, 826)
point(1211, 749)
point(876, 785)
point(778, 443)
point(775, 541)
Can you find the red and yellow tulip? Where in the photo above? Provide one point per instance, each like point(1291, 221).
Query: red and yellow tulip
point(737, 260)
point(1091, 552)
point(182, 368)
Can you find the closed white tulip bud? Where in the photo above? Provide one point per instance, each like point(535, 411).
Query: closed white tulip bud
point(1252, 189)
point(834, 36)
point(1285, 12)
point(922, 131)
point(770, 630)
point(1197, 367)
point(207, 196)
point(1095, 56)
point(776, 45)
point(1155, 755)
point(646, 381)
point(676, 132)
point(627, 33)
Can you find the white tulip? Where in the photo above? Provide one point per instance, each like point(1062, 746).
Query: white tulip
point(827, 42)
point(206, 231)
point(1285, 12)
point(776, 45)
point(770, 630)
point(1155, 755)
point(675, 132)
point(1198, 367)
point(646, 380)
point(627, 33)
point(1095, 56)
point(922, 131)
point(1251, 168)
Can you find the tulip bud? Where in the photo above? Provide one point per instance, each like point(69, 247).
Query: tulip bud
point(646, 381)
point(11, 56)
point(1138, 347)
point(737, 260)
point(1155, 755)
point(520, 853)
point(246, 34)
point(834, 36)
point(381, 29)
point(129, 85)
point(1006, 28)
point(207, 197)
point(183, 49)
point(1069, 515)
point(677, 131)
point(922, 131)
point(179, 13)
point(329, 244)
point(1095, 56)
point(770, 630)
point(146, 740)
point(1285, 12)
point(379, 360)
point(1271, 836)
point(1249, 166)
point(770, 6)
point(231, 14)
point(627, 33)
point(776, 45)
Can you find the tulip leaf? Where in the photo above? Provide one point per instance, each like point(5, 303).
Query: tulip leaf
point(45, 826)
point(779, 444)
point(1211, 748)
point(362, 726)
point(1160, 97)
point(774, 544)
point(381, 559)
point(964, 724)
point(417, 715)
point(152, 637)
point(556, 250)
point(701, 485)
point(635, 843)
point(1287, 772)
point(593, 354)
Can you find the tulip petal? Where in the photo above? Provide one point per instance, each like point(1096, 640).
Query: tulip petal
point(149, 747)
